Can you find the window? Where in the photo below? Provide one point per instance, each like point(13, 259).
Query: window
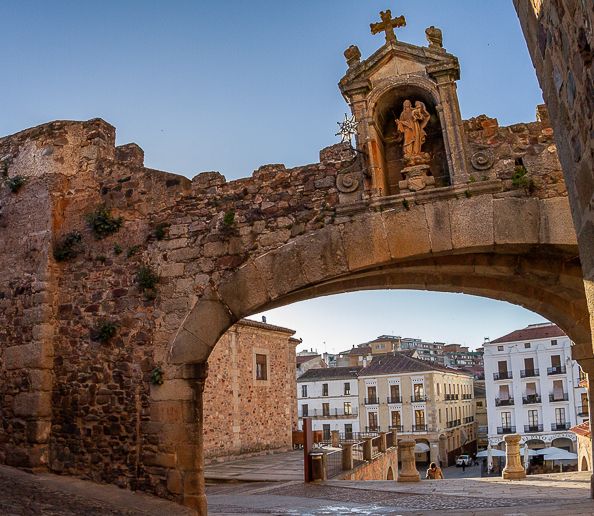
point(499, 348)
point(438, 392)
point(324, 389)
point(502, 367)
point(440, 415)
point(395, 393)
point(326, 431)
point(347, 388)
point(304, 391)
point(418, 391)
point(261, 367)
point(556, 361)
point(419, 418)
point(554, 342)
point(527, 345)
point(348, 408)
point(371, 394)
point(533, 418)
point(479, 403)
point(348, 431)
point(325, 409)
point(372, 418)
point(395, 417)
point(560, 416)
point(304, 410)
point(506, 419)
point(558, 393)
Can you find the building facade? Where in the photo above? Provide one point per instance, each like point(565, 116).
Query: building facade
point(249, 395)
point(480, 407)
point(427, 402)
point(330, 397)
point(533, 387)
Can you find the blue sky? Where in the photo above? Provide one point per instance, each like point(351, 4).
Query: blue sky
point(232, 85)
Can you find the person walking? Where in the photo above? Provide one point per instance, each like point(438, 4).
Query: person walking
point(434, 472)
point(463, 466)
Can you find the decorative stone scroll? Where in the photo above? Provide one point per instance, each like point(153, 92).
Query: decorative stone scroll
point(482, 160)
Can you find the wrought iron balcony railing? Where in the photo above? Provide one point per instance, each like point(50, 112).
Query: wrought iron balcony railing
point(503, 402)
point(559, 397)
point(394, 399)
point(556, 370)
point(531, 398)
point(419, 428)
point(503, 375)
point(532, 428)
point(560, 426)
point(417, 398)
point(529, 373)
point(506, 429)
point(371, 401)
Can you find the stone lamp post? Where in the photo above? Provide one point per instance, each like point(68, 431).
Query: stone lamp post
point(514, 470)
point(406, 451)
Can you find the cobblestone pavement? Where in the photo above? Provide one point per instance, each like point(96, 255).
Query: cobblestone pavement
point(277, 466)
point(547, 495)
point(22, 494)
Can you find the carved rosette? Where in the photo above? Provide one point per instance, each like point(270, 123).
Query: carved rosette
point(482, 160)
point(347, 182)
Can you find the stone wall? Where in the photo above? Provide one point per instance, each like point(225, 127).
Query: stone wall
point(241, 414)
point(377, 469)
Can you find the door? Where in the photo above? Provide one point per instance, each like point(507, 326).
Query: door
point(372, 394)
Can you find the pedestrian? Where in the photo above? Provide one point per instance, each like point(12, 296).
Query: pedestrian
point(463, 466)
point(434, 472)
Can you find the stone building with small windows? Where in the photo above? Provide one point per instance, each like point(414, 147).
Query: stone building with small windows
point(249, 395)
point(430, 403)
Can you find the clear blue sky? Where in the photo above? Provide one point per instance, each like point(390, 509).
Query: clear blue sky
point(232, 85)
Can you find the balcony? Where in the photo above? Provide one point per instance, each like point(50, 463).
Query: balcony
point(469, 419)
point(556, 370)
point(418, 398)
point(503, 375)
point(396, 428)
point(559, 397)
point(530, 399)
point(583, 411)
point(529, 373)
point(449, 397)
point(466, 396)
point(397, 399)
point(533, 428)
point(506, 430)
point(371, 401)
point(419, 428)
point(453, 423)
point(560, 426)
point(503, 403)
point(372, 429)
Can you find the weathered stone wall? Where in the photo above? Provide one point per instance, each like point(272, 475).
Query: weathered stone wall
point(377, 469)
point(242, 414)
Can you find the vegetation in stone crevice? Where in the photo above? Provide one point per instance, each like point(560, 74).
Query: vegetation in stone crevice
point(157, 375)
point(132, 251)
point(69, 247)
point(15, 183)
point(117, 249)
point(406, 204)
point(105, 331)
point(103, 223)
point(147, 280)
point(468, 194)
point(227, 226)
point(520, 179)
point(160, 231)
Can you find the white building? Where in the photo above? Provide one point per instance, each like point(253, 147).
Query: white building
point(533, 387)
point(330, 397)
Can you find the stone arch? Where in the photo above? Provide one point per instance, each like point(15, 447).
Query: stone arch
point(535, 444)
point(563, 442)
point(390, 474)
point(584, 463)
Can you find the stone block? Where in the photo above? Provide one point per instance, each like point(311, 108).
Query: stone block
point(471, 220)
point(165, 460)
point(41, 379)
point(208, 320)
point(174, 482)
point(171, 270)
point(516, 221)
point(33, 404)
point(322, 254)
point(38, 431)
point(438, 222)
point(365, 242)
point(407, 232)
point(556, 225)
point(244, 292)
point(187, 348)
point(37, 355)
point(172, 390)
point(281, 269)
point(168, 410)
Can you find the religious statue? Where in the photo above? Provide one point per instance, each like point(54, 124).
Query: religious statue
point(411, 124)
point(434, 37)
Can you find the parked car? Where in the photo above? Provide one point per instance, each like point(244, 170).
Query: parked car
point(465, 460)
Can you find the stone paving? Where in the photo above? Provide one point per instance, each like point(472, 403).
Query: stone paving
point(275, 467)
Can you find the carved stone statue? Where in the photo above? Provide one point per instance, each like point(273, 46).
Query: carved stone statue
point(411, 124)
point(434, 37)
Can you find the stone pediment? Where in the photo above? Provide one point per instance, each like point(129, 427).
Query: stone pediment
point(398, 59)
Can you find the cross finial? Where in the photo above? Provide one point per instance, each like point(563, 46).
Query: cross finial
point(387, 25)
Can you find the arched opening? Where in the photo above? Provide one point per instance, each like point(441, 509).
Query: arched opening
point(390, 475)
point(584, 464)
point(563, 443)
point(535, 444)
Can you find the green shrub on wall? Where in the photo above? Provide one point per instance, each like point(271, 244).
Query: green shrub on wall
point(102, 223)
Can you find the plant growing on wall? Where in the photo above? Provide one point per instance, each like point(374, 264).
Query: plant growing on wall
point(227, 226)
point(15, 183)
point(147, 280)
point(157, 375)
point(160, 231)
point(69, 247)
point(102, 223)
point(105, 331)
point(520, 179)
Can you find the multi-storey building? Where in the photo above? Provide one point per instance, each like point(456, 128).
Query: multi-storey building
point(330, 397)
point(460, 357)
point(480, 407)
point(533, 387)
point(431, 403)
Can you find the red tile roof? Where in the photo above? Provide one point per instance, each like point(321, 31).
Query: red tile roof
point(301, 359)
point(532, 333)
point(582, 429)
point(400, 363)
point(329, 373)
point(265, 326)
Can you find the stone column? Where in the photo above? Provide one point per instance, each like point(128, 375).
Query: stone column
point(406, 452)
point(335, 434)
point(514, 470)
point(368, 449)
point(383, 443)
point(347, 456)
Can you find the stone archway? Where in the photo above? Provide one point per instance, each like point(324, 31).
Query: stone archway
point(390, 474)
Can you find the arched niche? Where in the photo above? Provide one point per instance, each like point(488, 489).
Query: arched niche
point(386, 111)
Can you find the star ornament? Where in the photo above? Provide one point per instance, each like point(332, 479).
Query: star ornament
point(347, 128)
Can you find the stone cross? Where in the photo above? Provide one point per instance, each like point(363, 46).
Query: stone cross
point(387, 25)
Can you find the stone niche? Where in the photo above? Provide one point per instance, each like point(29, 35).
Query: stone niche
point(390, 141)
point(376, 89)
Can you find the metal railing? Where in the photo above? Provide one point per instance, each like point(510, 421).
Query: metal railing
point(469, 419)
point(453, 423)
point(466, 396)
point(418, 398)
point(533, 428)
point(556, 370)
point(371, 401)
point(503, 375)
point(502, 403)
point(372, 429)
point(583, 411)
point(531, 398)
point(419, 428)
point(333, 463)
point(506, 429)
point(396, 399)
point(559, 397)
point(529, 373)
point(560, 426)
point(317, 413)
point(396, 428)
